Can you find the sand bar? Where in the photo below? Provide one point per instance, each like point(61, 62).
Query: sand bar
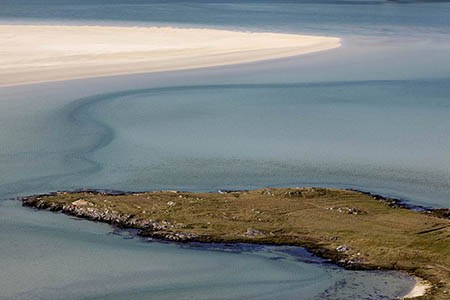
point(32, 54)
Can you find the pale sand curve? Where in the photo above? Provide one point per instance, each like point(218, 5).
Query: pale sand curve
point(419, 289)
point(32, 53)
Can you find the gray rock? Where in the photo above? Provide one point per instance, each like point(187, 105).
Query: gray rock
point(342, 248)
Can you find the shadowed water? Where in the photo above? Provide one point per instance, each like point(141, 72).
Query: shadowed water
point(373, 115)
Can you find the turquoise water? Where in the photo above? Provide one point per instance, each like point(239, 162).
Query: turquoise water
point(372, 115)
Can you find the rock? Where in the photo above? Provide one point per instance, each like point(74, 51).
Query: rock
point(171, 203)
point(253, 232)
point(348, 210)
point(294, 194)
point(267, 192)
point(80, 202)
point(173, 236)
point(440, 212)
point(342, 248)
point(350, 263)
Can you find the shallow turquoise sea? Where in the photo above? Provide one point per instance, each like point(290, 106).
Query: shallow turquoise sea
point(372, 115)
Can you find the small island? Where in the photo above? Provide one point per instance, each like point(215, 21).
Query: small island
point(352, 229)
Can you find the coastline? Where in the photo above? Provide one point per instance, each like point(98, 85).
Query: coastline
point(420, 289)
point(347, 255)
point(38, 53)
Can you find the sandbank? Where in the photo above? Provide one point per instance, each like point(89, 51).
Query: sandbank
point(32, 53)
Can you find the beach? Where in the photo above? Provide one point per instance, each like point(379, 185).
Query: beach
point(420, 289)
point(32, 54)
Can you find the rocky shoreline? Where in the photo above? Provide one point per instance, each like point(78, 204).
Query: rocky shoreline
point(399, 203)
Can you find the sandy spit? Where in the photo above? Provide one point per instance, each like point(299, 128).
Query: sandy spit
point(32, 53)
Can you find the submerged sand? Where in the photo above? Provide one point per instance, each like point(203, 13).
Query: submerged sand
point(31, 54)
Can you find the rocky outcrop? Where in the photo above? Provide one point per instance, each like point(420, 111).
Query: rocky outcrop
point(253, 232)
point(342, 248)
point(399, 203)
point(171, 236)
point(87, 210)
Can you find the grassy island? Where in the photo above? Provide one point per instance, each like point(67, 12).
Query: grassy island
point(352, 229)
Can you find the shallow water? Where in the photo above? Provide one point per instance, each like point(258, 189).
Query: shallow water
point(373, 115)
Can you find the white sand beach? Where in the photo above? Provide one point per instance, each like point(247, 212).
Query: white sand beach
point(418, 290)
point(32, 54)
